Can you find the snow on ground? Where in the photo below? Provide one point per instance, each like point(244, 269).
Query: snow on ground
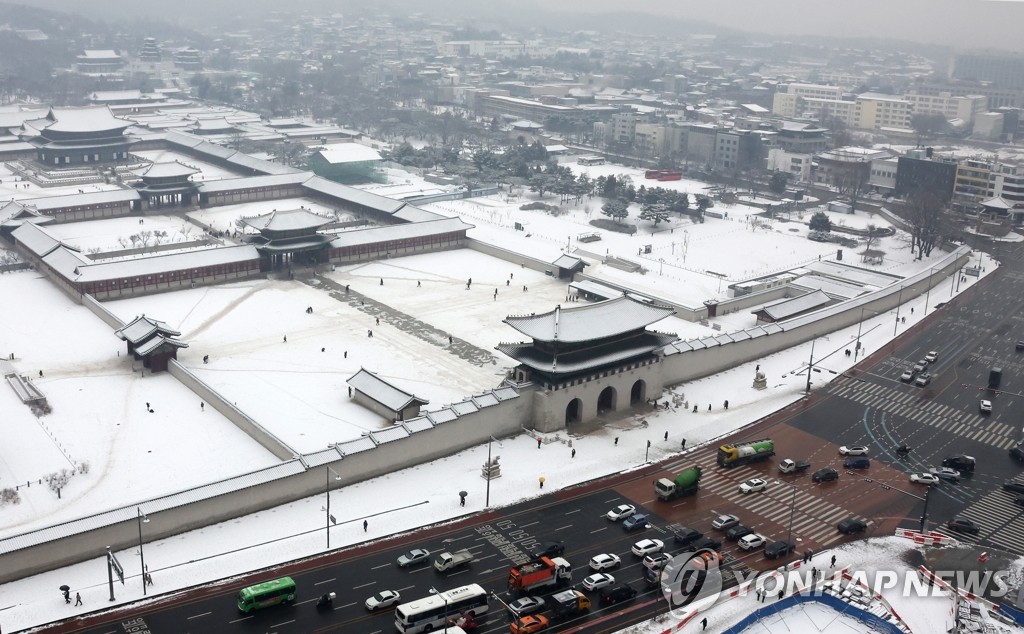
point(296, 530)
point(114, 234)
point(13, 188)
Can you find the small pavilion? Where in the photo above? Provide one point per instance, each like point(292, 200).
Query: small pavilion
point(290, 235)
point(151, 341)
point(167, 184)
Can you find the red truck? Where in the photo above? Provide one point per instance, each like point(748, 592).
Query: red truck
point(541, 573)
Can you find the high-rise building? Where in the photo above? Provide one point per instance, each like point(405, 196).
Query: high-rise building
point(1001, 68)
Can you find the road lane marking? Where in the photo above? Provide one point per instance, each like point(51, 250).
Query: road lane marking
point(196, 616)
point(347, 605)
point(380, 566)
point(280, 624)
point(324, 581)
point(599, 530)
point(244, 618)
point(571, 512)
point(561, 528)
point(364, 585)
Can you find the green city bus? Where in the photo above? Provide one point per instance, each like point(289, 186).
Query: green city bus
point(266, 594)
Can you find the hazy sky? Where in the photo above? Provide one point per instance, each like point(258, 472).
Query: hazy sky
point(956, 23)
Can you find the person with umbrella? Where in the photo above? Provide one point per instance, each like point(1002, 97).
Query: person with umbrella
point(67, 593)
point(462, 498)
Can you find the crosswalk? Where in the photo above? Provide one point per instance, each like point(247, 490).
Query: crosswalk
point(1001, 521)
point(941, 417)
point(814, 518)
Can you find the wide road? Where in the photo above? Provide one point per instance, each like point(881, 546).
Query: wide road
point(869, 406)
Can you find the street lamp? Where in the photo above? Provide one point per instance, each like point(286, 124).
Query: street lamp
point(329, 518)
point(487, 500)
point(810, 365)
point(792, 510)
point(141, 517)
point(927, 496)
point(860, 325)
point(928, 294)
point(444, 596)
point(899, 301)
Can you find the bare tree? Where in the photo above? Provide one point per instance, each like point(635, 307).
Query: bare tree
point(924, 211)
point(871, 237)
point(852, 180)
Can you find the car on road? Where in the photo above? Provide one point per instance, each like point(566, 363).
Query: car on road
point(1019, 346)
point(529, 624)
point(1019, 500)
point(383, 599)
point(526, 605)
point(414, 557)
point(963, 525)
point(738, 531)
point(854, 450)
point(657, 561)
point(618, 594)
point(725, 522)
point(548, 549)
point(920, 366)
point(960, 462)
point(1014, 487)
point(753, 485)
point(778, 549)
point(604, 561)
point(685, 536)
point(924, 478)
point(709, 543)
point(932, 356)
point(597, 581)
point(923, 379)
point(945, 473)
point(857, 462)
point(985, 407)
point(635, 522)
point(907, 376)
point(828, 474)
point(752, 541)
point(620, 512)
point(851, 525)
point(648, 547)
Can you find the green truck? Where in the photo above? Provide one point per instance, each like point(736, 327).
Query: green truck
point(743, 453)
point(685, 483)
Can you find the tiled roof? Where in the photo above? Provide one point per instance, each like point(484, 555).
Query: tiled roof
point(164, 263)
point(588, 323)
point(399, 232)
point(381, 391)
point(90, 198)
point(353, 195)
point(34, 239)
point(89, 119)
point(252, 182)
point(288, 220)
point(338, 153)
point(156, 342)
point(171, 168)
point(142, 328)
point(584, 360)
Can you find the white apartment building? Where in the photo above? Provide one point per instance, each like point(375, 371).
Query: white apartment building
point(483, 48)
point(796, 164)
point(786, 102)
point(875, 111)
point(949, 106)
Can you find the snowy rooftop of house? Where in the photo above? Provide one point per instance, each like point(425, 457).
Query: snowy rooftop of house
point(163, 263)
point(568, 262)
point(349, 153)
point(996, 203)
point(790, 307)
point(90, 119)
point(851, 274)
point(587, 323)
point(383, 392)
point(142, 328)
point(399, 232)
point(252, 182)
point(288, 220)
point(214, 124)
point(90, 198)
point(100, 53)
point(168, 169)
point(834, 287)
point(152, 344)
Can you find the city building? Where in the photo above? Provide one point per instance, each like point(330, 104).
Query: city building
point(920, 170)
point(1002, 68)
point(988, 126)
point(964, 108)
point(79, 136)
point(796, 164)
point(95, 63)
point(348, 163)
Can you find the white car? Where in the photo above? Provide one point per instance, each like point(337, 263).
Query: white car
point(907, 376)
point(620, 512)
point(932, 356)
point(647, 547)
point(856, 450)
point(985, 407)
point(604, 561)
point(753, 485)
point(597, 581)
point(924, 478)
point(945, 473)
point(383, 599)
point(752, 541)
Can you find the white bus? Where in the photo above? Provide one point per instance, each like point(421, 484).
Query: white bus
point(430, 613)
point(590, 160)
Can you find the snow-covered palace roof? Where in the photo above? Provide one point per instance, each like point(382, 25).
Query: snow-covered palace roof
point(587, 323)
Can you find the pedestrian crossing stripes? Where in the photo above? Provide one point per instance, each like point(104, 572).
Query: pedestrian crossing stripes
point(942, 417)
point(1001, 522)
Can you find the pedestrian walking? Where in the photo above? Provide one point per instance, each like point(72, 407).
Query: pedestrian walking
point(684, 444)
point(67, 596)
point(666, 435)
point(78, 598)
point(758, 368)
point(524, 288)
point(538, 443)
point(202, 406)
point(382, 281)
point(727, 404)
point(149, 579)
point(417, 283)
point(450, 340)
point(369, 333)
point(782, 593)
point(833, 564)
point(814, 574)
point(40, 374)
point(378, 321)
point(541, 480)
point(286, 338)
point(616, 441)
point(350, 391)
point(147, 406)
point(346, 354)
point(911, 311)
point(573, 453)
point(694, 408)
point(366, 525)
point(323, 349)
point(462, 499)
point(507, 282)
point(704, 624)
point(810, 555)
point(709, 407)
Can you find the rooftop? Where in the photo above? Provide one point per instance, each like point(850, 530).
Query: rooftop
point(588, 323)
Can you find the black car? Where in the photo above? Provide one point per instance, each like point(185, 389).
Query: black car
point(548, 549)
point(737, 532)
point(778, 549)
point(828, 474)
point(963, 525)
point(963, 464)
point(617, 594)
point(851, 525)
point(686, 536)
point(705, 542)
point(1019, 500)
point(1017, 454)
point(1014, 487)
